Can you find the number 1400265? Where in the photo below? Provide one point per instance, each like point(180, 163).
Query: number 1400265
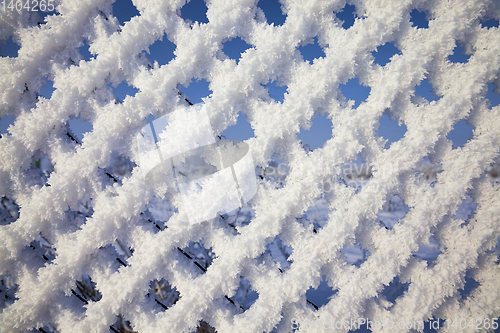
point(27, 5)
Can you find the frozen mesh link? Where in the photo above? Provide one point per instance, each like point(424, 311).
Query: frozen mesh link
point(312, 88)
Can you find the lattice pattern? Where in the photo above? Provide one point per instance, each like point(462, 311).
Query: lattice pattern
point(81, 245)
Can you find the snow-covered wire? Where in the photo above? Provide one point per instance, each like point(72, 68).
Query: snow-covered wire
point(82, 241)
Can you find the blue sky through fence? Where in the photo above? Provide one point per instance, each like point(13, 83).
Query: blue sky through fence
point(162, 52)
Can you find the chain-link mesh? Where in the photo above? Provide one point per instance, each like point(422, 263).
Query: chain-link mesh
point(166, 283)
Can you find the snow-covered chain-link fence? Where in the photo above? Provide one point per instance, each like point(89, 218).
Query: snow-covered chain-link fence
point(83, 206)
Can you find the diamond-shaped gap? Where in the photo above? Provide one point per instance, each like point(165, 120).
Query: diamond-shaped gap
point(39, 252)
point(39, 16)
point(459, 55)
point(199, 255)
point(29, 95)
point(276, 91)
point(84, 51)
point(121, 325)
point(164, 294)
point(123, 90)
point(9, 211)
point(46, 249)
point(419, 19)
point(161, 51)
point(469, 285)
point(122, 252)
point(35, 255)
point(39, 168)
point(429, 170)
point(238, 218)
point(466, 209)
point(355, 254)
point(204, 327)
point(196, 90)
point(195, 11)
point(493, 95)
point(78, 215)
point(353, 90)
point(394, 290)
point(356, 173)
point(273, 11)
point(78, 128)
point(319, 132)
point(150, 222)
point(493, 171)
point(280, 253)
point(347, 16)
point(110, 259)
point(36, 175)
point(120, 166)
point(429, 251)
point(424, 89)
point(241, 131)
point(85, 290)
point(491, 23)
point(319, 296)
point(311, 51)
point(230, 222)
point(47, 89)
point(160, 210)
point(393, 211)
point(244, 296)
point(5, 123)
point(274, 171)
point(316, 215)
point(461, 133)
point(390, 130)
point(384, 53)
point(47, 328)
point(326, 187)
point(8, 48)
point(124, 11)
point(234, 48)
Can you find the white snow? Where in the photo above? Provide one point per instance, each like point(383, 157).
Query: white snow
point(351, 234)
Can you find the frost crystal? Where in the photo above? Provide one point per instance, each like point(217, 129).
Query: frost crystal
point(87, 245)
